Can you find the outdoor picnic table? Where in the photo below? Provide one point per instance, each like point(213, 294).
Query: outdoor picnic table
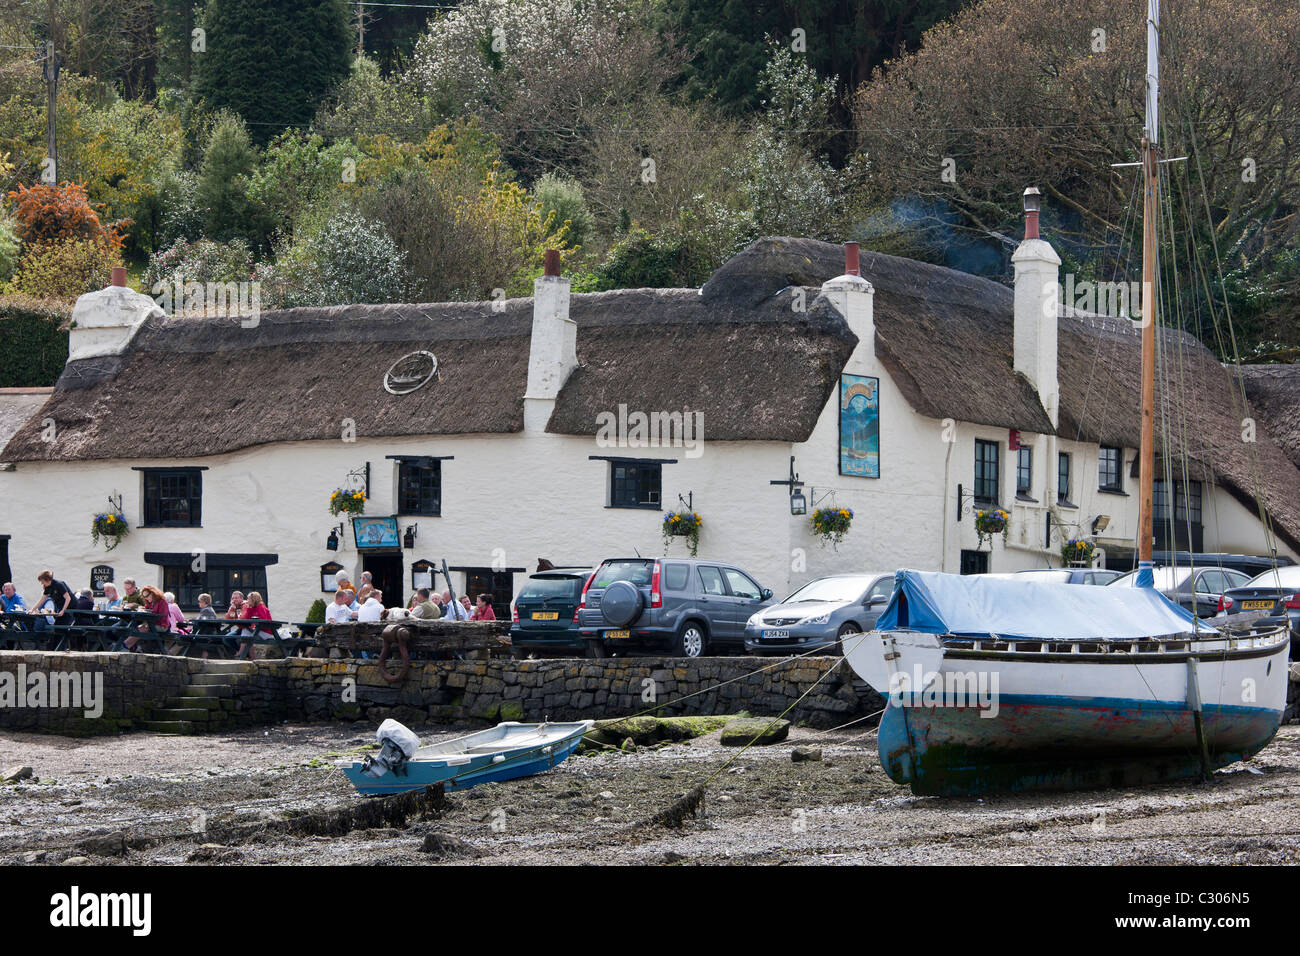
point(224, 635)
point(100, 630)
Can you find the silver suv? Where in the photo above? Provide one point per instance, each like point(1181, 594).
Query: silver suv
point(685, 605)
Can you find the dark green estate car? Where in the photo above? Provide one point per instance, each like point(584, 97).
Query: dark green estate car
point(544, 617)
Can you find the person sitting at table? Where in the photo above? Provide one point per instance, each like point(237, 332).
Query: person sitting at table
point(111, 601)
point(255, 609)
point(453, 610)
point(177, 622)
point(363, 594)
point(483, 609)
point(155, 603)
point(423, 608)
point(11, 600)
point(340, 609)
point(236, 609)
point(373, 608)
point(131, 593)
point(205, 608)
point(59, 596)
point(468, 606)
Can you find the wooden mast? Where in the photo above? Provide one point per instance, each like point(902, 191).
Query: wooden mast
point(1146, 453)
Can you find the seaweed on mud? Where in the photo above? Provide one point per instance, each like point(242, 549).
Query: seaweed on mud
point(674, 816)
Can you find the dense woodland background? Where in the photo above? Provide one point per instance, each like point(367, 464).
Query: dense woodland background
point(344, 152)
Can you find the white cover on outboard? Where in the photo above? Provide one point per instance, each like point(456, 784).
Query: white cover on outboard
point(399, 734)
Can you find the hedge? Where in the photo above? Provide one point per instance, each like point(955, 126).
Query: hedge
point(33, 341)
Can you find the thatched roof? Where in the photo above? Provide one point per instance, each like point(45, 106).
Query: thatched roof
point(17, 406)
point(1274, 394)
point(944, 336)
point(193, 387)
point(755, 370)
point(190, 387)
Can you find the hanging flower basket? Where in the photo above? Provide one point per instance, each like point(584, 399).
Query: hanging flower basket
point(350, 502)
point(831, 524)
point(991, 522)
point(1077, 553)
point(111, 527)
point(683, 524)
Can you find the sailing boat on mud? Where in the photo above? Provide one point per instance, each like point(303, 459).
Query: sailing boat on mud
point(998, 685)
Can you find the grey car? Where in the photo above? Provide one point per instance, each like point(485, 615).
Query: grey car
point(687, 606)
point(1198, 589)
point(1274, 597)
point(820, 615)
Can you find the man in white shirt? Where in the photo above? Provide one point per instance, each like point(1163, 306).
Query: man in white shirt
point(373, 609)
point(340, 612)
point(452, 610)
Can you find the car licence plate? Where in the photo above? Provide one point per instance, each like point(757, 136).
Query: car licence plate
point(614, 635)
point(546, 615)
point(1256, 605)
point(775, 635)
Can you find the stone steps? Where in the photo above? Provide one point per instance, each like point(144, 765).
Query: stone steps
point(173, 714)
point(212, 680)
point(168, 728)
point(186, 702)
point(207, 703)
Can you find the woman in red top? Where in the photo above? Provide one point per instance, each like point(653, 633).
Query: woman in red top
point(156, 604)
point(483, 609)
point(254, 608)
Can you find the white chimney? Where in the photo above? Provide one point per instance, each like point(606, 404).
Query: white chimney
point(854, 297)
point(104, 322)
point(1037, 292)
point(553, 351)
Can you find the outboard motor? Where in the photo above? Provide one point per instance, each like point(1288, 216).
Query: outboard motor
point(398, 744)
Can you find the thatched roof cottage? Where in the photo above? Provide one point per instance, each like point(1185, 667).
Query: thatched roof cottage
point(563, 426)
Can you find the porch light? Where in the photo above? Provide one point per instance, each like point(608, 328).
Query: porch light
point(408, 539)
point(332, 542)
point(1033, 199)
point(1100, 523)
point(798, 503)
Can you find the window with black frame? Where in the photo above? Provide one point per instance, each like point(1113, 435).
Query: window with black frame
point(1110, 465)
point(419, 488)
point(187, 584)
point(986, 471)
point(173, 498)
point(1024, 471)
point(635, 484)
point(1063, 478)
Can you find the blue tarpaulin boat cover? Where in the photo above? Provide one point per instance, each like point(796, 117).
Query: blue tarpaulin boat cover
point(979, 606)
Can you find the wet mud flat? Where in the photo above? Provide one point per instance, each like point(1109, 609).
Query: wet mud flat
point(142, 799)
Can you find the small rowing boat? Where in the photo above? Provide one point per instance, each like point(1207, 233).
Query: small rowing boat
point(503, 752)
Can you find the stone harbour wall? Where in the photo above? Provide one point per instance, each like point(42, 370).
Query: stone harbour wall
point(142, 690)
point(53, 692)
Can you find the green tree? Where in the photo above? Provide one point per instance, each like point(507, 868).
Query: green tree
point(728, 41)
point(222, 189)
point(563, 198)
point(272, 62)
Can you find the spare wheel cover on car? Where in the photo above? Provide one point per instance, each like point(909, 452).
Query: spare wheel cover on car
point(620, 603)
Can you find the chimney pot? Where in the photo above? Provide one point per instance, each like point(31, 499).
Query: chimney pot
point(119, 276)
point(552, 262)
point(1033, 200)
point(851, 263)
